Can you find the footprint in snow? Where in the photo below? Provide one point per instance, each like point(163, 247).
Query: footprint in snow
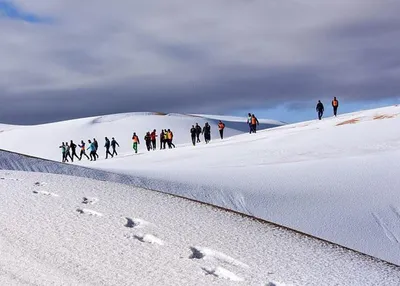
point(148, 238)
point(40, 184)
point(206, 253)
point(89, 201)
point(135, 223)
point(46, 193)
point(89, 212)
point(221, 272)
point(11, 179)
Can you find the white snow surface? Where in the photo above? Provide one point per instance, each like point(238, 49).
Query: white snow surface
point(336, 179)
point(87, 235)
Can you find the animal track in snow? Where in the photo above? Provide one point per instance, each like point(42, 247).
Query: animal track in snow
point(46, 193)
point(149, 238)
point(135, 223)
point(205, 253)
point(89, 212)
point(89, 201)
point(221, 272)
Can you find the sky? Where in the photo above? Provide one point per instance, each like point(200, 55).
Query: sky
point(64, 59)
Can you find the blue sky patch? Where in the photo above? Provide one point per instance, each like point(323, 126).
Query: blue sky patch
point(9, 10)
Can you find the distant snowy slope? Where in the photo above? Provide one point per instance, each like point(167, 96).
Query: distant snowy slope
point(44, 140)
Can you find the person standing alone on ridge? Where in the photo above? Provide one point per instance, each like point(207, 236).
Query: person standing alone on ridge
point(136, 141)
point(114, 145)
point(207, 132)
point(107, 145)
point(320, 109)
point(221, 127)
point(249, 122)
point(83, 150)
point(198, 132)
point(335, 105)
point(193, 135)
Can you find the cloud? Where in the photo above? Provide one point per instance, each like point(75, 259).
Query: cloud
point(204, 56)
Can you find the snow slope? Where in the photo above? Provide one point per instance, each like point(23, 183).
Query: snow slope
point(62, 230)
point(336, 178)
point(43, 140)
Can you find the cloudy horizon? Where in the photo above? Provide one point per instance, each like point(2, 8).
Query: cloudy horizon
point(64, 59)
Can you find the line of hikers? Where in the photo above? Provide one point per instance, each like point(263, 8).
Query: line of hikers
point(69, 150)
point(320, 108)
point(150, 138)
point(196, 131)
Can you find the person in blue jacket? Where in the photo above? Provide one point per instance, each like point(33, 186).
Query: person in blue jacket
point(92, 149)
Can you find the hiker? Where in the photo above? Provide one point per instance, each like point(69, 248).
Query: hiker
point(114, 144)
point(193, 132)
point(147, 139)
point(170, 136)
point(96, 145)
point(107, 145)
point(198, 132)
point(254, 122)
point(73, 149)
point(320, 109)
point(136, 141)
point(162, 139)
point(207, 132)
point(249, 122)
point(165, 141)
point(335, 105)
point(153, 136)
point(67, 152)
point(92, 149)
point(83, 150)
point(221, 127)
point(63, 152)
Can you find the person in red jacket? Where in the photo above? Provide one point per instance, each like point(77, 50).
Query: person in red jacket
point(221, 127)
point(153, 137)
point(335, 105)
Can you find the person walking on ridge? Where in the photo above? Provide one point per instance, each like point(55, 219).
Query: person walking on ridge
point(67, 152)
point(207, 132)
point(96, 145)
point(63, 152)
point(254, 123)
point(153, 136)
point(249, 122)
point(92, 149)
point(147, 139)
point(198, 132)
point(73, 149)
point(320, 109)
point(107, 145)
point(193, 135)
point(114, 145)
point(136, 141)
point(221, 127)
point(170, 136)
point(335, 105)
point(162, 139)
point(83, 150)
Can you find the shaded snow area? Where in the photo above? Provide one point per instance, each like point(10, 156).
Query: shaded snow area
point(62, 230)
point(337, 179)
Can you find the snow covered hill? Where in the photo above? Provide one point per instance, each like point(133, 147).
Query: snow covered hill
point(63, 230)
point(43, 140)
point(336, 179)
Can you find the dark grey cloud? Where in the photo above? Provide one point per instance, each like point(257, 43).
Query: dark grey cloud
point(196, 58)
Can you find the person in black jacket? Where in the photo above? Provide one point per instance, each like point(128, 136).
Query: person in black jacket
point(147, 139)
point(193, 133)
point(335, 105)
point(198, 132)
point(96, 145)
point(72, 145)
point(162, 139)
point(107, 145)
point(114, 143)
point(320, 109)
point(207, 132)
point(83, 150)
